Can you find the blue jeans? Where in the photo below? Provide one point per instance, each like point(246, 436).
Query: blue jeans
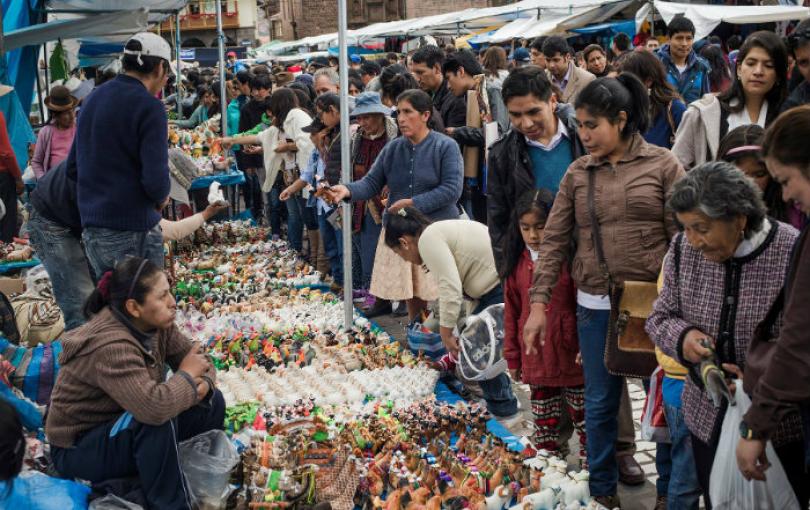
point(62, 255)
point(295, 222)
point(603, 393)
point(365, 244)
point(332, 247)
point(106, 247)
point(274, 205)
point(684, 489)
point(501, 402)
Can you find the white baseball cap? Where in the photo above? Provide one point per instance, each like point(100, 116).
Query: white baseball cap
point(152, 45)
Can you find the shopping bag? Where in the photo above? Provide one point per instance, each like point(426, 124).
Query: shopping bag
point(728, 489)
point(207, 461)
point(653, 421)
point(423, 340)
point(480, 342)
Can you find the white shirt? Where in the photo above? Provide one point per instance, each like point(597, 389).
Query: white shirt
point(555, 140)
point(742, 118)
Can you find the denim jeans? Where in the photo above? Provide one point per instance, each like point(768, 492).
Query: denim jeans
point(295, 222)
point(501, 402)
point(273, 212)
point(332, 247)
point(684, 489)
point(365, 245)
point(62, 255)
point(603, 393)
point(105, 247)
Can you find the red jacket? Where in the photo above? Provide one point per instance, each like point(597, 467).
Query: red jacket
point(554, 363)
point(8, 160)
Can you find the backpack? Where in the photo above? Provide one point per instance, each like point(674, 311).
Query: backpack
point(481, 345)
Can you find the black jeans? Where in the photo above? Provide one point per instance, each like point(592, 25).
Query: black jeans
point(8, 194)
point(126, 447)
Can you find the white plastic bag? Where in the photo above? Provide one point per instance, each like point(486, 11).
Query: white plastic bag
point(207, 461)
point(113, 502)
point(727, 487)
point(653, 422)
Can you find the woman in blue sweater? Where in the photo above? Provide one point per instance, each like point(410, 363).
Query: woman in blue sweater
point(422, 169)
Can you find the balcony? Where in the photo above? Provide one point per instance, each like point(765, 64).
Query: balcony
point(202, 15)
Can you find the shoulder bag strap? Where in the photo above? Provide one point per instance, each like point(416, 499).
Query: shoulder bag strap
point(596, 231)
point(677, 261)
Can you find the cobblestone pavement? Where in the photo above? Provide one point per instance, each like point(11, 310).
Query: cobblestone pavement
point(640, 497)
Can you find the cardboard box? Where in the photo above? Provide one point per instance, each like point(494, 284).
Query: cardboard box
point(10, 286)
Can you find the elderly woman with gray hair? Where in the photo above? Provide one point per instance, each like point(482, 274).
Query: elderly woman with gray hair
point(721, 276)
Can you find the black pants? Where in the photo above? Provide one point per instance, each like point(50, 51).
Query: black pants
point(126, 448)
point(8, 194)
point(791, 456)
point(252, 193)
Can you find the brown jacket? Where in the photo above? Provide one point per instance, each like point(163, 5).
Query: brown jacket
point(786, 381)
point(106, 371)
point(577, 82)
point(630, 204)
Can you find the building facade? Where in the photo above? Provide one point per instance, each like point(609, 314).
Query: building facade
point(296, 19)
point(198, 24)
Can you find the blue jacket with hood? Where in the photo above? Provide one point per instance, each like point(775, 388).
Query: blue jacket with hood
point(693, 83)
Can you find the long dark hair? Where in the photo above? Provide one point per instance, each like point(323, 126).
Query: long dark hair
point(786, 139)
point(717, 62)
point(132, 278)
point(775, 48)
point(607, 97)
point(405, 222)
point(280, 103)
point(537, 201)
point(12, 446)
point(395, 80)
point(751, 136)
point(215, 108)
point(648, 68)
point(494, 60)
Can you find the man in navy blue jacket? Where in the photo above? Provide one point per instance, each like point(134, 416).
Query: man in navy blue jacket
point(121, 159)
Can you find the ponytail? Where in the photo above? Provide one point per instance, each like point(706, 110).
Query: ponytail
point(131, 279)
point(607, 97)
point(407, 221)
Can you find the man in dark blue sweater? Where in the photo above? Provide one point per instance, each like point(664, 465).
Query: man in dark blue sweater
point(121, 159)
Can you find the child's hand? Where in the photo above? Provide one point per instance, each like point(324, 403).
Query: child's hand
point(515, 374)
point(578, 359)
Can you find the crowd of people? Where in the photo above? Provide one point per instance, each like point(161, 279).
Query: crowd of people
point(538, 180)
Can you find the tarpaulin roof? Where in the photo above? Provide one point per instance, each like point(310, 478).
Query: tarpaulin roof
point(707, 17)
point(107, 24)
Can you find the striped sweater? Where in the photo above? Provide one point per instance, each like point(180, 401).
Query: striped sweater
point(725, 301)
point(105, 371)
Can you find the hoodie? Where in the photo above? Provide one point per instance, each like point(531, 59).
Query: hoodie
point(106, 371)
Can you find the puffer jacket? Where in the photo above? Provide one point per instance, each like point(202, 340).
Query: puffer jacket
point(554, 363)
point(630, 203)
point(694, 82)
point(509, 174)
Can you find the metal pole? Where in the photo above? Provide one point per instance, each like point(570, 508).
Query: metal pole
point(343, 63)
point(223, 96)
point(178, 80)
point(652, 18)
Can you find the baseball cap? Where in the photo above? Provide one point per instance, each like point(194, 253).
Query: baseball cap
point(231, 54)
point(152, 45)
point(356, 59)
point(314, 127)
point(521, 55)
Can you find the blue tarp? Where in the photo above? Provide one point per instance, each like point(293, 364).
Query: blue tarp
point(229, 179)
point(612, 27)
point(19, 70)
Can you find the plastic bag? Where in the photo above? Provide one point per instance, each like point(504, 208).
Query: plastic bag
point(422, 339)
point(481, 345)
point(207, 461)
point(33, 490)
point(653, 421)
point(113, 502)
point(728, 489)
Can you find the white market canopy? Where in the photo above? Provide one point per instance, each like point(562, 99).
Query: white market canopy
point(707, 17)
point(471, 20)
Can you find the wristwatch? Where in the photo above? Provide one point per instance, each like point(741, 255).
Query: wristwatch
point(747, 433)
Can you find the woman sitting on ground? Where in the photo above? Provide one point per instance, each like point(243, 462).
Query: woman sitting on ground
point(113, 412)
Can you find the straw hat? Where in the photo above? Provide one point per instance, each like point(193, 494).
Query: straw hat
point(60, 100)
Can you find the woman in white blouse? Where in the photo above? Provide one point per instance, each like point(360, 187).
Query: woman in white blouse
point(755, 97)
